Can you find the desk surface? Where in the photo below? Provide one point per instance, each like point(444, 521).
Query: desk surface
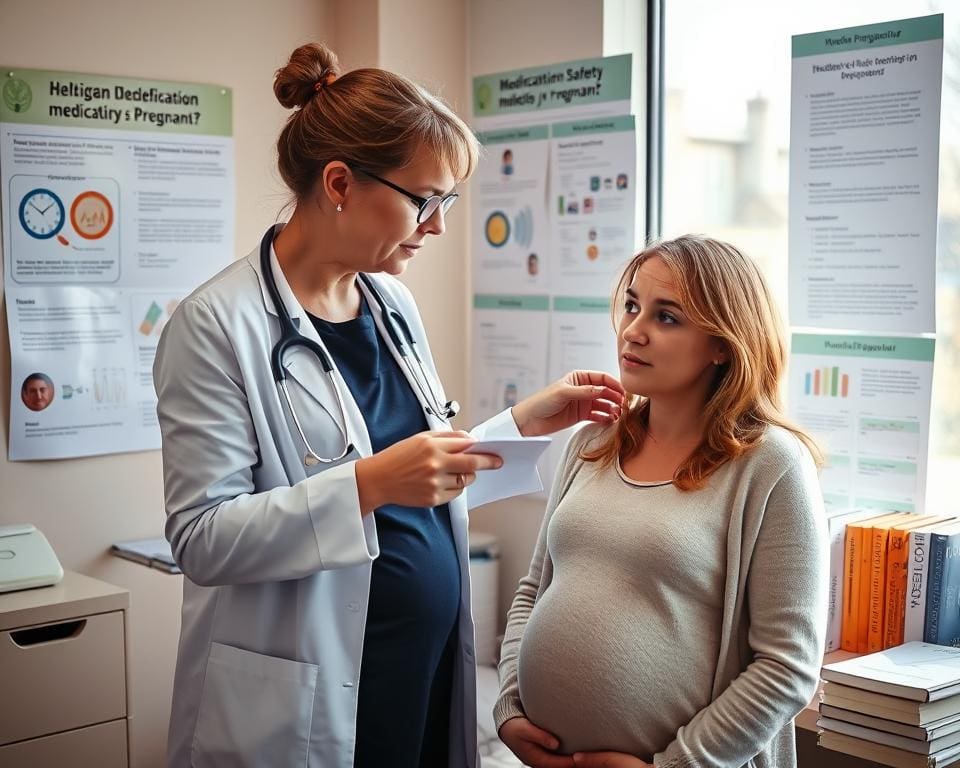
point(76, 594)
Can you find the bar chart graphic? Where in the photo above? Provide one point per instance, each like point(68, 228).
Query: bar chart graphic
point(828, 381)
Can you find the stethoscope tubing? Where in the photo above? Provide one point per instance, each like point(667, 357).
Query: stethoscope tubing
point(290, 337)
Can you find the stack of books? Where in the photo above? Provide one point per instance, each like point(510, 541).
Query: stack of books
point(898, 707)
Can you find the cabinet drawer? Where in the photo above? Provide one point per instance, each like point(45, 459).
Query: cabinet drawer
point(99, 746)
point(62, 676)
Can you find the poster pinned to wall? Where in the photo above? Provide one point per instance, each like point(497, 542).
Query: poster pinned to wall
point(864, 151)
point(118, 200)
point(594, 199)
point(866, 399)
point(508, 194)
point(554, 220)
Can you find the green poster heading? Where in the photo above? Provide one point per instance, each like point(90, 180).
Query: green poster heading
point(581, 304)
point(596, 125)
point(568, 84)
point(916, 30)
point(879, 347)
point(513, 135)
point(44, 97)
point(491, 301)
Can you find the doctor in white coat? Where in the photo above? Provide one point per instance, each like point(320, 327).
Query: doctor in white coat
point(314, 492)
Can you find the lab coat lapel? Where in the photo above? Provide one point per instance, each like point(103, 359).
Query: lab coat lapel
point(305, 369)
point(433, 422)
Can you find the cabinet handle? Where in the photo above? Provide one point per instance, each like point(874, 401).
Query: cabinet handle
point(47, 634)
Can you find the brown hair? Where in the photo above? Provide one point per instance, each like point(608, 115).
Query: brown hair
point(369, 118)
point(724, 294)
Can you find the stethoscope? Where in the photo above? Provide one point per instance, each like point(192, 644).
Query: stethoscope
point(291, 337)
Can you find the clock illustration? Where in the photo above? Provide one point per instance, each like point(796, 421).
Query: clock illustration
point(42, 213)
point(91, 215)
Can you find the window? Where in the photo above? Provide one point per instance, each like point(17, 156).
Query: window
point(726, 131)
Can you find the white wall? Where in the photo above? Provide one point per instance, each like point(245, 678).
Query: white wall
point(83, 505)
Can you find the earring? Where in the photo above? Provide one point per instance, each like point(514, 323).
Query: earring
point(339, 208)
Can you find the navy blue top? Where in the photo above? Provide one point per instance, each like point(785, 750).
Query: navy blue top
point(406, 671)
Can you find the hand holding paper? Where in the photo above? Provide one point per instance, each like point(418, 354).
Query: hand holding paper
point(517, 475)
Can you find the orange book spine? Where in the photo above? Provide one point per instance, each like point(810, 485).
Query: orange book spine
point(896, 597)
point(863, 587)
point(878, 581)
point(851, 579)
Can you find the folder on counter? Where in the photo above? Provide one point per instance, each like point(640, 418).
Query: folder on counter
point(154, 553)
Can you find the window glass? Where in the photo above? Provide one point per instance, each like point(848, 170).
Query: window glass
point(726, 162)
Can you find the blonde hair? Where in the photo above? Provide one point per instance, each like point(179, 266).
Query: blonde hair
point(724, 294)
point(369, 118)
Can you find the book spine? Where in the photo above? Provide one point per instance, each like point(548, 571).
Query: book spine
point(851, 576)
point(948, 629)
point(878, 580)
point(863, 590)
point(896, 588)
point(916, 606)
point(837, 529)
point(931, 624)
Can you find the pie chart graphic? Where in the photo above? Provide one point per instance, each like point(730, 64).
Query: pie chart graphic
point(497, 229)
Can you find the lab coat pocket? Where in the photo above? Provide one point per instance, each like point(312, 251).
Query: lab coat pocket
point(255, 710)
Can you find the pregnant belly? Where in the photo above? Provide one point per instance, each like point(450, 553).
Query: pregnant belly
point(600, 675)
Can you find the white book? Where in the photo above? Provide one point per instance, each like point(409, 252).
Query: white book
point(928, 732)
point(884, 753)
point(915, 671)
point(916, 603)
point(837, 522)
point(892, 739)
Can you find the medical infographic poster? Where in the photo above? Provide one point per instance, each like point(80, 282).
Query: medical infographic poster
point(864, 143)
point(593, 195)
point(866, 399)
point(509, 348)
point(509, 199)
point(117, 200)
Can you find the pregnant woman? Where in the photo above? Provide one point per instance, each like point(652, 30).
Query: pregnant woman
point(674, 611)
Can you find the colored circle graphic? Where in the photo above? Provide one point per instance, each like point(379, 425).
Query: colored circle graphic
point(497, 229)
point(91, 215)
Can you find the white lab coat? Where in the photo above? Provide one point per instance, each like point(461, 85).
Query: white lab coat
point(276, 555)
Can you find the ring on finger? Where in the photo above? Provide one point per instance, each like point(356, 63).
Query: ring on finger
point(461, 480)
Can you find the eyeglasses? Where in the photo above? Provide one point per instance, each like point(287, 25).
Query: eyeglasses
point(428, 205)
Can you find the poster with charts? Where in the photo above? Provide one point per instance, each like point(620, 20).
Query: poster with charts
point(117, 200)
point(509, 197)
point(593, 196)
point(864, 151)
point(866, 400)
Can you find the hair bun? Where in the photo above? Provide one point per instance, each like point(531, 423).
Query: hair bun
point(311, 68)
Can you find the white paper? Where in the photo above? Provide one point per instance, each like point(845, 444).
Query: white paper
point(864, 143)
point(518, 474)
point(866, 399)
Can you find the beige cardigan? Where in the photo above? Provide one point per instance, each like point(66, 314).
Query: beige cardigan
point(774, 607)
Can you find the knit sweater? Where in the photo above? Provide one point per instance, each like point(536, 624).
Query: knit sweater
point(683, 627)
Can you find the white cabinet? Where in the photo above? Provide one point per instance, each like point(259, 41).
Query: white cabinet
point(63, 671)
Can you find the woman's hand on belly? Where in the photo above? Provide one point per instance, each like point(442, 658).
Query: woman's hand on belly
point(607, 760)
point(534, 746)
